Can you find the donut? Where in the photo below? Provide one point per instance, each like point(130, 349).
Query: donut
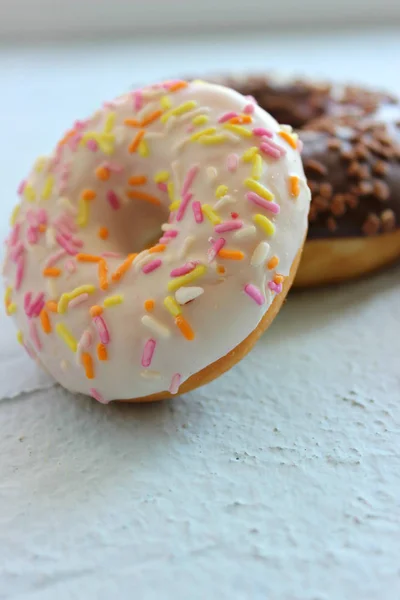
point(351, 156)
point(157, 242)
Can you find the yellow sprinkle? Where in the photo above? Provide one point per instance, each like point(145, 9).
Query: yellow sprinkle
point(65, 298)
point(7, 295)
point(14, 214)
point(179, 110)
point(208, 131)
point(106, 143)
point(12, 308)
point(165, 102)
point(113, 300)
point(40, 164)
point(90, 135)
point(200, 120)
point(161, 176)
point(29, 193)
point(221, 190)
point(110, 122)
point(172, 306)
point(238, 129)
point(178, 282)
point(210, 214)
point(263, 222)
point(20, 337)
point(259, 189)
point(256, 169)
point(171, 191)
point(48, 187)
point(144, 149)
point(83, 213)
point(174, 205)
point(208, 140)
point(249, 154)
point(67, 336)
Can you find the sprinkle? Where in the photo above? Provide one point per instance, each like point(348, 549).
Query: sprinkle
point(200, 120)
point(113, 199)
point(155, 326)
point(97, 396)
point(231, 254)
point(273, 262)
point(110, 122)
point(232, 162)
point(187, 243)
point(172, 306)
point(52, 306)
point(245, 232)
point(53, 259)
point(150, 374)
point(239, 130)
point(221, 190)
point(88, 365)
point(162, 186)
point(186, 268)
point(123, 268)
point(275, 287)
point(240, 120)
point(149, 305)
point(29, 193)
point(229, 226)
point(271, 149)
point(132, 122)
point(256, 169)
point(66, 244)
point(290, 139)
point(198, 215)
point(37, 305)
point(224, 200)
point(185, 294)
point(215, 248)
point(257, 187)
point(176, 283)
point(78, 300)
point(103, 233)
point(92, 145)
point(169, 230)
point(136, 141)
point(161, 176)
point(20, 337)
point(254, 293)
point(177, 85)
point(138, 195)
point(268, 205)
point(113, 300)
point(137, 180)
point(20, 272)
point(278, 279)
point(88, 195)
point(102, 353)
point(67, 336)
point(260, 254)
point(51, 272)
point(165, 102)
point(65, 298)
point(227, 116)
point(96, 310)
point(210, 214)
point(48, 187)
point(175, 383)
point(294, 186)
point(102, 274)
point(12, 308)
point(152, 266)
point(263, 222)
point(249, 108)
point(211, 173)
point(101, 329)
point(176, 204)
point(14, 214)
point(148, 352)
point(184, 328)
point(190, 175)
point(151, 117)
point(249, 154)
point(88, 258)
point(261, 131)
point(179, 110)
point(209, 140)
point(157, 248)
point(34, 335)
point(208, 131)
point(183, 205)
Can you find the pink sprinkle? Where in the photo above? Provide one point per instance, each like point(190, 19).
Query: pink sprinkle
point(92, 145)
point(77, 242)
point(31, 217)
point(137, 99)
point(229, 226)
point(254, 293)
point(190, 175)
point(54, 258)
point(171, 233)
point(148, 352)
point(113, 200)
point(249, 108)
point(21, 187)
point(12, 240)
point(34, 335)
point(232, 162)
point(271, 206)
point(164, 240)
point(251, 99)
point(80, 125)
point(171, 217)
point(70, 266)
point(32, 235)
point(275, 287)
point(17, 251)
point(226, 116)
point(260, 131)
point(183, 205)
point(36, 307)
point(300, 145)
point(152, 266)
point(64, 243)
point(102, 329)
point(97, 396)
point(27, 301)
point(198, 213)
point(113, 166)
point(175, 383)
point(270, 151)
point(42, 216)
point(215, 248)
point(111, 254)
point(183, 270)
point(162, 186)
point(20, 272)
point(272, 144)
point(73, 142)
point(78, 300)
point(86, 339)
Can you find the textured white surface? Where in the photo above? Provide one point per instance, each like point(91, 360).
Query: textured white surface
point(280, 480)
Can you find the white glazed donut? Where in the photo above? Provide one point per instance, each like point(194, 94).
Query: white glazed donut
point(224, 184)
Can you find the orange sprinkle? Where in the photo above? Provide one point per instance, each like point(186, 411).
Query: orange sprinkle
point(221, 269)
point(273, 262)
point(88, 257)
point(136, 141)
point(157, 248)
point(138, 195)
point(137, 180)
point(294, 185)
point(70, 133)
point(179, 85)
point(132, 122)
point(151, 117)
point(45, 321)
point(184, 327)
point(149, 305)
point(289, 138)
point(123, 268)
point(102, 173)
point(241, 119)
point(95, 310)
point(88, 365)
point(278, 279)
point(51, 272)
point(88, 195)
point(231, 254)
point(42, 227)
point(102, 353)
point(52, 306)
point(103, 272)
point(103, 233)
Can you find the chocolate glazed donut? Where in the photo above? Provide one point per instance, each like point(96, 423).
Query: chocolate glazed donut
point(351, 156)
